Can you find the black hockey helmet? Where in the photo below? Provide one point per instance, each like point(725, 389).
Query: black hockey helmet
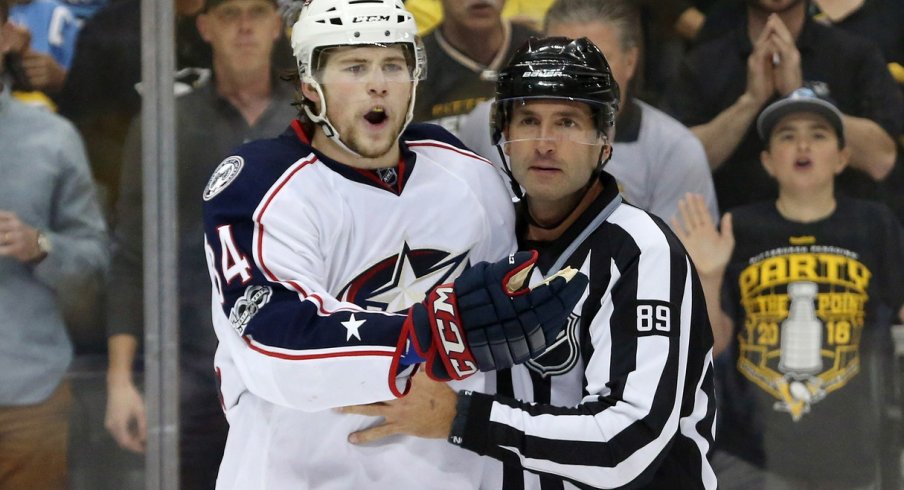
point(556, 67)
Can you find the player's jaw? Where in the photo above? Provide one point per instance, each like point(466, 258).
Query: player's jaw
point(550, 174)
point(373, 130)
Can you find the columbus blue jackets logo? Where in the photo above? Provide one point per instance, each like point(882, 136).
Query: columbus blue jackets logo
point(398, 281)
point(225, 173)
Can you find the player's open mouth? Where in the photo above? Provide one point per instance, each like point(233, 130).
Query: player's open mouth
point(376, 116)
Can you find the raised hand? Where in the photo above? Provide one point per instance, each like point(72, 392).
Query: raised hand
point(786, 73)
point(760, 76)
point(43, 72)
point(710, 249)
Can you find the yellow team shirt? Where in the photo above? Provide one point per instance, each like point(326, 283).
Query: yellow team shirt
point(429, 13)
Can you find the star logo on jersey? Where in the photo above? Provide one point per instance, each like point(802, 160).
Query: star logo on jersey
point(352, 325)
point(397, 282)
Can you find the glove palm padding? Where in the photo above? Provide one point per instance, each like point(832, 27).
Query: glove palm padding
point(487, 320)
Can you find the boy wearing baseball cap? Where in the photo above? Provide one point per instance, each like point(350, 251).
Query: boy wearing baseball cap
point(801, 290)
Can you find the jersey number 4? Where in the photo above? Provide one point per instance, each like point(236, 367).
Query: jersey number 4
point(233, 263)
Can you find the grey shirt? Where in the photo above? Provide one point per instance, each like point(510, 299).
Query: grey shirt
point(46, 181)
point(208, 128)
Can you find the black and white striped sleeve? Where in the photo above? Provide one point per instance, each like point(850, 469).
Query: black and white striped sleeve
point(647, 380)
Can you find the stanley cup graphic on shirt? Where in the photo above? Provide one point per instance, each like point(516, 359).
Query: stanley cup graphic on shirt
point(801, 332)
point(805, 308)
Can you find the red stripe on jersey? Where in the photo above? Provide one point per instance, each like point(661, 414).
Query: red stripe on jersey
point(305, 357)
point(260, 243)
point(299, 131)
point(444, 146)
point(260, 233)
point(260, 214)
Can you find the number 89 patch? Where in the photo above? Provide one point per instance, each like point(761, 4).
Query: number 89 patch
point(654, 318)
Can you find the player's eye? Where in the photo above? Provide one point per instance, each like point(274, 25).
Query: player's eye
point(394, 67)
point(785, 136)
point(568, 123)
point(356, 69)
point(259, 12)
point(229, 14)
point(528, 121)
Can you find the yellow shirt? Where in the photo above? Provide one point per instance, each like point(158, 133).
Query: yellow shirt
point(429, 13)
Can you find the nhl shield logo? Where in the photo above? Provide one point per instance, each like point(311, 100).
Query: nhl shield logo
point(225, 173)
point(562, 356)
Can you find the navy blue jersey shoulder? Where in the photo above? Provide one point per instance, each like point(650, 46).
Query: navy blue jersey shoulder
point(263, 162)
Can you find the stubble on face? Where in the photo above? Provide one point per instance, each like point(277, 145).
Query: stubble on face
point(353, 137)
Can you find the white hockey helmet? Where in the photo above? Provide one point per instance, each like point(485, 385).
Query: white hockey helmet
point(330, 23)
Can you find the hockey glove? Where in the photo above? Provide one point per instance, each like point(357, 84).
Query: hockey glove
point(488, 320)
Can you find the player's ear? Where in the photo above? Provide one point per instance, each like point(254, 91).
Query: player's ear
point(631, 57)
point(203, 24)
point(766, 160)
point(278, 27)
point(844, 157)
point(309, 93)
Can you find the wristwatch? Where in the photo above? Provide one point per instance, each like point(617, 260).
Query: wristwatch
point(44, 245)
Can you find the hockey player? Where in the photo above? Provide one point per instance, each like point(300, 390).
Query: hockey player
point(322, 244)
point(624, 398)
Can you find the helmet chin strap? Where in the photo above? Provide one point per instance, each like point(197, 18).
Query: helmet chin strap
point(325, 125)
point(333, 134)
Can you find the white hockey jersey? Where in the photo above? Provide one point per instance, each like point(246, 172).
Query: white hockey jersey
point(312, 262)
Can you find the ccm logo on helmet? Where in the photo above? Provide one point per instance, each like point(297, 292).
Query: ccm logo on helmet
point(444, 311)
point(370, 18)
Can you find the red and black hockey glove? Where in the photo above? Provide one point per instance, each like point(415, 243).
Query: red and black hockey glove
point(487, 319)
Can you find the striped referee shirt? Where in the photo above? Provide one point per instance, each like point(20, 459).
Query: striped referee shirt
point(624, 397)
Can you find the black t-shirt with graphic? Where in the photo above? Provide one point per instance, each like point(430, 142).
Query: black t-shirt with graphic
point(808, 301)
